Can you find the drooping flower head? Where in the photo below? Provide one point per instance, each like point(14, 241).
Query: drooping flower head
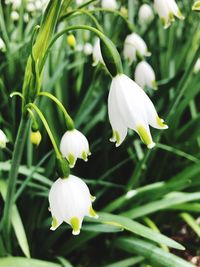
point(167, 10)
point(74, 145)
point(70, 201)
point(134, 46)
point(130, 107)
point(3, 139)
point(145, 75)
point(145, 14)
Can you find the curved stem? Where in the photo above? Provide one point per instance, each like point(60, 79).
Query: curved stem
point(115, 12)
point(46, 125)
point(112, 51)
point(75, 13)
point(17, 94)
point(69, 121)
point(12, 179)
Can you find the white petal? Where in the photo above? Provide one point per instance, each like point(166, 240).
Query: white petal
point(118, 126)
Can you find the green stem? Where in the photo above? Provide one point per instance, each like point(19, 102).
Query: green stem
point(46, 125)
point(75, 13)
point(114, 64)
point(69, 121)
point(12, 179)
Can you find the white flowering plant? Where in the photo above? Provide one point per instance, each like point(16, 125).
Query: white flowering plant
point(99, 133)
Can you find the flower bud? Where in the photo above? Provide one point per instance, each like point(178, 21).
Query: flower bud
point(74, 145)
point(70, 201)
point(35, 137)
point(71, 41)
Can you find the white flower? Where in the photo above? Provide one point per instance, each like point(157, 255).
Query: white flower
point(97, 56)
point(70, 201)
point(2, 45)
point(197, 66)
point(145, 14)
point(166, 10)
point(88, 49)
point(130, 107)
point(14, 15)
point(134, 46)
point(3, 139)
point(74, 145)
point(110, 4)
point(145, 75)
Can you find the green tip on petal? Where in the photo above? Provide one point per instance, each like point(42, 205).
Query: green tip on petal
point(54, 224)
point(84, 156)
point(145, 137)
point(75, 224)
point(71, 160)
point(161, 123)
point(180, 15)
point(196, 6)
point(154, 85)
point(171, 17)
point(92, 213)
point(117, 137)
point(92, 198)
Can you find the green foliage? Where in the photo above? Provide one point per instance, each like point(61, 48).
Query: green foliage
point(134, 186)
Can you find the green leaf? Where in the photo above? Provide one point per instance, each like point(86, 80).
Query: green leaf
point(137, 229)
point(23, 262)
point(155, 255)
point(126, 263)
point(16, 223)
point(167, 202)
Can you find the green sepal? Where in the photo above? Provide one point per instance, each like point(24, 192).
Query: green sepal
point(62, 167)
point(111, 56)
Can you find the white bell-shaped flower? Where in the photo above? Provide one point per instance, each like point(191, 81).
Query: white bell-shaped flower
point(130, 107)
point(167, 10)
point(74, 145)
point(145, 14)
point(110, 4)
point(145, 75)
point(134, 46)
point(97, 56)
point(70, 201)
point(3, 139)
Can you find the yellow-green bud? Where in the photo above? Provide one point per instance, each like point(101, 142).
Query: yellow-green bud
point(35, 138)
point(71, 41)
